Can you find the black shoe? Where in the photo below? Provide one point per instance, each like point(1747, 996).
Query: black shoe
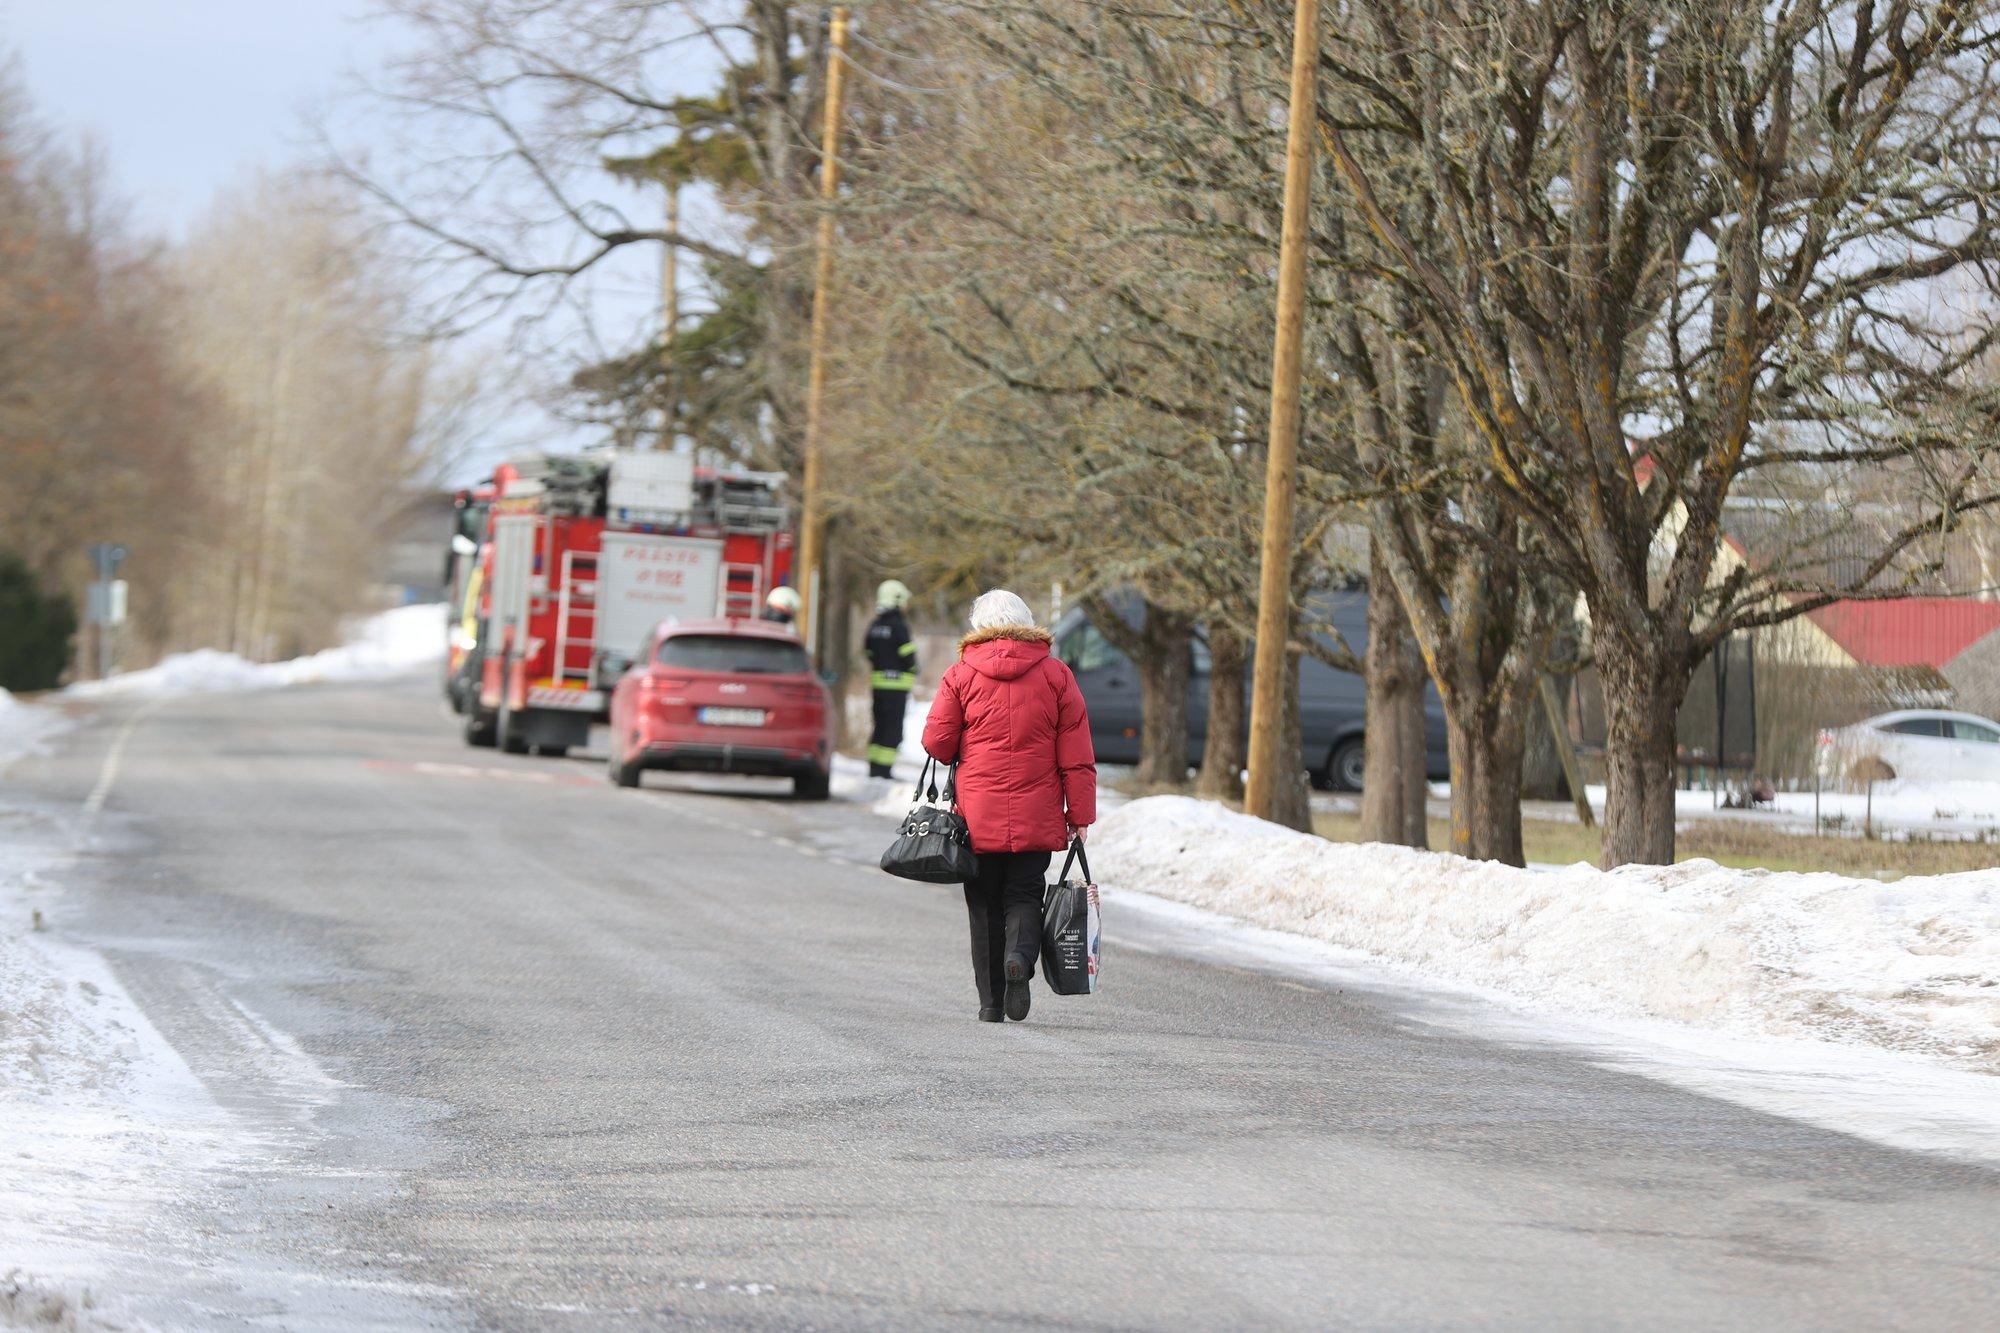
point(989, 1013)
point(1018, 997)
point(880, 771)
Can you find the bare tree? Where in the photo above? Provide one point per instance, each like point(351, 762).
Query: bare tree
point(1678, 247)
point(536, 140)
point(298, 335)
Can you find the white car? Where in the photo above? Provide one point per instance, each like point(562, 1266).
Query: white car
point(1925, 744)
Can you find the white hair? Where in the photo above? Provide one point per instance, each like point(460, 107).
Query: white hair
point(1000, 609)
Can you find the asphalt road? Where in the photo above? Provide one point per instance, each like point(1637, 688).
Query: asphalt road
point(609, 1059)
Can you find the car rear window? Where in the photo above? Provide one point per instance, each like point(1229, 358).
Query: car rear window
point(728, 652)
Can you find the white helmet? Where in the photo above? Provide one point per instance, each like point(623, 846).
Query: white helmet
point(786, 600)
point(892, 593)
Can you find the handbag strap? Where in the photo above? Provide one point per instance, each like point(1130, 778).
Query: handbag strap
point(950, 784)
point(1075, 857)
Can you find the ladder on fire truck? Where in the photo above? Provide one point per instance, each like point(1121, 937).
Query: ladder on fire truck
point(576, 617)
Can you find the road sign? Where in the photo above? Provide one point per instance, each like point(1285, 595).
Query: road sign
point(107, 556)
point(105, 604)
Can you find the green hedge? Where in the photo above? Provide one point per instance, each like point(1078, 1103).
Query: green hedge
point(36, 627)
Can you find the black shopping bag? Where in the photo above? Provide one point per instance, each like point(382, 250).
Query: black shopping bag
point(1072, 943)
point(933, 845)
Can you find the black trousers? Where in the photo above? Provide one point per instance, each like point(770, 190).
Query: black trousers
point(887, 735)
point(1004, 905)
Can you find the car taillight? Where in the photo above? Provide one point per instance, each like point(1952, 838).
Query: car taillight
point(651, 682)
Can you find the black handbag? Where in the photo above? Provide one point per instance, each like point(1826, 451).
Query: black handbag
point(933, 846)
point(1072, 938)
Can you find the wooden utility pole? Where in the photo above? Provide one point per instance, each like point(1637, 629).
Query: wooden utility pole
point(670, 278)
point(1566, 752)
point(670, 314)
point(812, 521)
point(1268, 766)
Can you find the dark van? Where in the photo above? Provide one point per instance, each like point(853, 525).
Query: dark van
point(1332, 711)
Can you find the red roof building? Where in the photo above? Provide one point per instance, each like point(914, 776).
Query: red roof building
point(1907, 631)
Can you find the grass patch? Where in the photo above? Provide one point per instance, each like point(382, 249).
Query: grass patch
point(1742, 846)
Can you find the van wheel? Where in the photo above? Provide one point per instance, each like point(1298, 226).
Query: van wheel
point(480, 727)
point(1346, 765)
point(814, 786)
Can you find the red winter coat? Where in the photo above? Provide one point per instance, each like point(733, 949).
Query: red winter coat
point(1012, 719)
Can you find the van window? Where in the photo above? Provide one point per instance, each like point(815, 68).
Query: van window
point(1087, 650)
point(1973, 731)
point(729, 652)
point(1917, 726)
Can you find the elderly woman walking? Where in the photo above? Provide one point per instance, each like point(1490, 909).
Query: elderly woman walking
point(1011, 717)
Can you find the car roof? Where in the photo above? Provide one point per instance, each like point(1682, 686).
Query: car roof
point(733, 626)
point(1908, 714)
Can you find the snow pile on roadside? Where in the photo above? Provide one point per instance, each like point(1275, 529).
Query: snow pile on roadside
point(1921, 806)
point(105, 1134)
point(1911, 966)
point(1910, 803)
point(23, 728)
point(388, 644)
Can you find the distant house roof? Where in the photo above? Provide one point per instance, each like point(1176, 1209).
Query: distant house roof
point(1907, 631)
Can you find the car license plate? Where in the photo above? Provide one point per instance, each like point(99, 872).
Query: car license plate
point(732, 717)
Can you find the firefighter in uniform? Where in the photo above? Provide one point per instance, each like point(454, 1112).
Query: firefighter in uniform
point(892, 662)
point(782, 606)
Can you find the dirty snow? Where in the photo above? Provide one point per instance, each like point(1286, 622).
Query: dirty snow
point(107, 1138)
point(387, 644)
point(1933, 807)
point(104, 1132)
point(26, 728)
point(1912, 966)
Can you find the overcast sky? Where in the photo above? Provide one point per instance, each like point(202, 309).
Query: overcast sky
point(186, 95)
point(189, 96)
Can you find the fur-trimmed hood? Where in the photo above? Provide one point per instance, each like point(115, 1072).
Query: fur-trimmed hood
point(1005, 653)
point(1018, 633)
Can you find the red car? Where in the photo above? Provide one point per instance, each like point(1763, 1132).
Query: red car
point(723, 696)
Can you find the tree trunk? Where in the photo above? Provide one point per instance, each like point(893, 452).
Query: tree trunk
point(1159, 650)
point(1486, 784)
point(1642, 698)
point(1163, 690)
point(1416, 776)
point(1290, 797)
point(1392, 786)
point(1222, 754)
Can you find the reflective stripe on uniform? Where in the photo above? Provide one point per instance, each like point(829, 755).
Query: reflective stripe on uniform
point(892, 680)
point(908, 650)
point(884, 755)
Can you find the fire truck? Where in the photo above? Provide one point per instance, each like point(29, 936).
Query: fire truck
point(584, 555)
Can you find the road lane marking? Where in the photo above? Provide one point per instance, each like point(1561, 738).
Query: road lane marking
point(108, 774)
point(437, 770)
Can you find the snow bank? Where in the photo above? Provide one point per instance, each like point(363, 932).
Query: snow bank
point(1917, 807)
point(24, 728)
point(387, 644)
point(105, 1134)
point(1911, 966)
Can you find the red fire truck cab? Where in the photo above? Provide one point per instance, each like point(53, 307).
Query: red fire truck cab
point(585, 555)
